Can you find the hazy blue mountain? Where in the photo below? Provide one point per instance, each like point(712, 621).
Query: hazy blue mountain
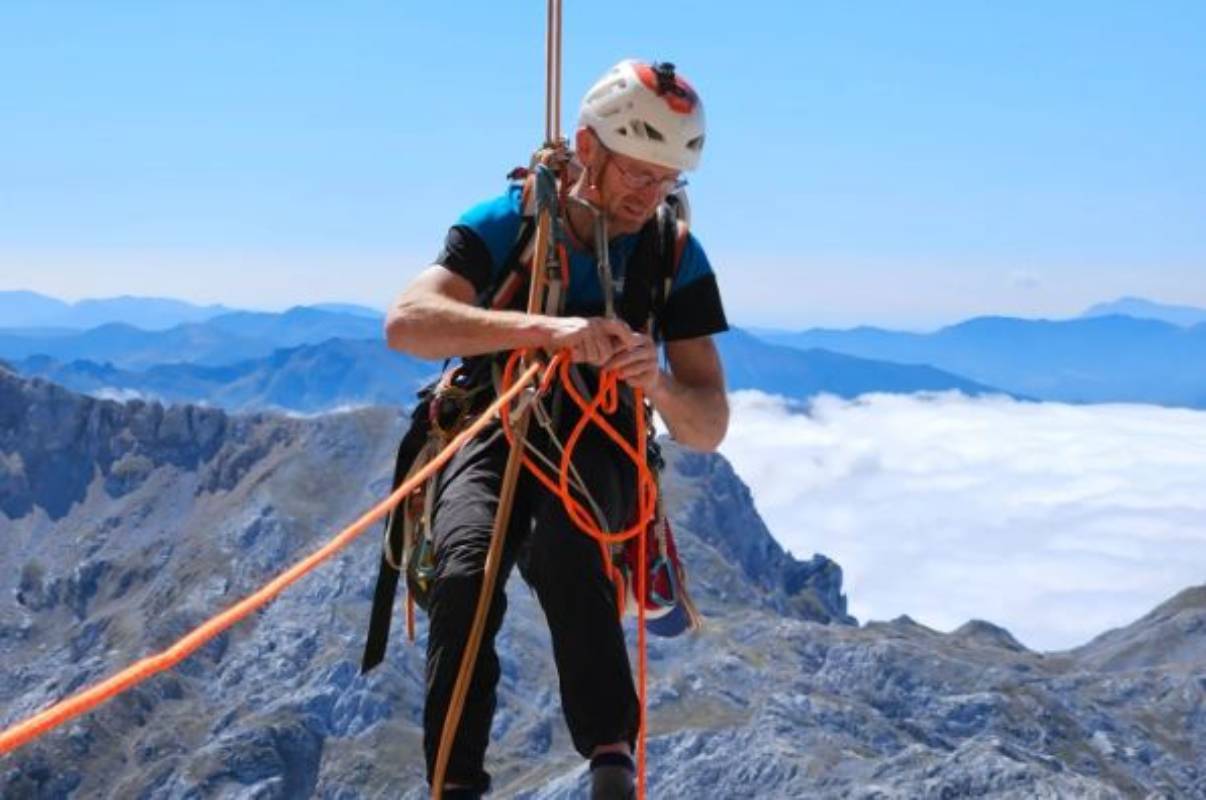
point(1096, 359)
point(223, 340)
point(22, 309)
point(299, 325)
point(340, 372)
point(750, 363)
point(350, 308)
point(30, 310)
point(127, 524)
point(129, 347)
point(1185, 316)
point(309, 378)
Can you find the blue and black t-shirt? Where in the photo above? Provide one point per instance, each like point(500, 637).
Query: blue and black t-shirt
point(477, 247)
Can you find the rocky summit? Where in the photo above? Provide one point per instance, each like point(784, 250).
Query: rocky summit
point(125, 525)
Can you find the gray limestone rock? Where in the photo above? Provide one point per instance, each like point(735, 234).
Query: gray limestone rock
point(125, 525)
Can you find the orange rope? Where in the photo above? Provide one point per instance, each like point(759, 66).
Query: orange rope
point(84, 701)
point(606, 399)
point(647, 487)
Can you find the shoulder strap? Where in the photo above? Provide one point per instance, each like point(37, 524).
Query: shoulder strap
point(652, 268)
point(514, 273)
point(649, 276)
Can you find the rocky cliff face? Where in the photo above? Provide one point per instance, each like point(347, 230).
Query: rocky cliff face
point(103, 564)
point(707, 498)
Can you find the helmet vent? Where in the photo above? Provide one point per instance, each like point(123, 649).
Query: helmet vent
point(653, 133)
point(614, 87)
point(696, 143)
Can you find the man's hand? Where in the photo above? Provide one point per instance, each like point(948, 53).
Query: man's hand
point(593, 340)
point(637, 364)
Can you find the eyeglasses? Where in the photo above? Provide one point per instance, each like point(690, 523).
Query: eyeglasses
point(639, 182)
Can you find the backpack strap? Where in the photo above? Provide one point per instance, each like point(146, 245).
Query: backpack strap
point(518, 265)
point(651, 269)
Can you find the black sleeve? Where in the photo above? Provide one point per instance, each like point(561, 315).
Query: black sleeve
point(694, 310)
point(466, 254)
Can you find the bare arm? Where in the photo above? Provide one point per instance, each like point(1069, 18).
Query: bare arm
point(691, 397)
point(435, 317)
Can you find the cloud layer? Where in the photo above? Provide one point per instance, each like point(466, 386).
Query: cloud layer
point(1055, 521)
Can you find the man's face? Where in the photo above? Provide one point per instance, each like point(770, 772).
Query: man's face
point(632, 189)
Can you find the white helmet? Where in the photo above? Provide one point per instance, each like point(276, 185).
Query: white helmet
point(646, 112)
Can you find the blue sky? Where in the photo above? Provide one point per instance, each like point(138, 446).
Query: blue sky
point(893, 163)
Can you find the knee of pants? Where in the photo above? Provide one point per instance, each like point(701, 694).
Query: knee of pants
point(563, 556)
point(454, 598)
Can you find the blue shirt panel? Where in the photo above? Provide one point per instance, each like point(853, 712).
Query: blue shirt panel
point(497, 221)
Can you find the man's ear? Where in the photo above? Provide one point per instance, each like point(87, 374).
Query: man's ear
point(586, 146)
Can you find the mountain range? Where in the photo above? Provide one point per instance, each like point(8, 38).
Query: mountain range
point(22, 309)
point(126, 524)
point(310, 378)
point(1090, 360)
point(259, 360)
point(25, 309)
point(1139, 308)
point(223, 340)
point(311, 360)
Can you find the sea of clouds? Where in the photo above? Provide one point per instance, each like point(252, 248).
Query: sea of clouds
point(1056, 521)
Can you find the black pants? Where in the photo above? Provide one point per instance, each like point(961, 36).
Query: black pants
point(563, 566)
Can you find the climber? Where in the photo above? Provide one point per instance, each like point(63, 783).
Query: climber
point(640, 126)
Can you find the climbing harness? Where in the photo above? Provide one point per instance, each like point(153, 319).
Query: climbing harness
point(641, 297)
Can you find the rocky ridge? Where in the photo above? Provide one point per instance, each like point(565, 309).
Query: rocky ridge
point(106, 563)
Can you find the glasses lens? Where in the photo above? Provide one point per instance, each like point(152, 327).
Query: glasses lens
point(642, 181)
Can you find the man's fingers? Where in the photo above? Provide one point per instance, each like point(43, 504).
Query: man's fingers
point(625, 359)
point(620, 330)
point(590, 350)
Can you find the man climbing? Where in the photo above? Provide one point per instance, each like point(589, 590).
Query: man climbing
point(640, 126)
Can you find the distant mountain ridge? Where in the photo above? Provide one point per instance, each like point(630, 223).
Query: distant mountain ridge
point(1111, 358)
point(751, 363)
point(1090, 360)
point(126, 524)
point(223, 340)
point(312, 360)
point(309, 378)
point(23, 309)
point(1139, 308)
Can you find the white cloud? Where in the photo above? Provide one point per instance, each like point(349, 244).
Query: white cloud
point(1055, 521)
point(122, 395)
